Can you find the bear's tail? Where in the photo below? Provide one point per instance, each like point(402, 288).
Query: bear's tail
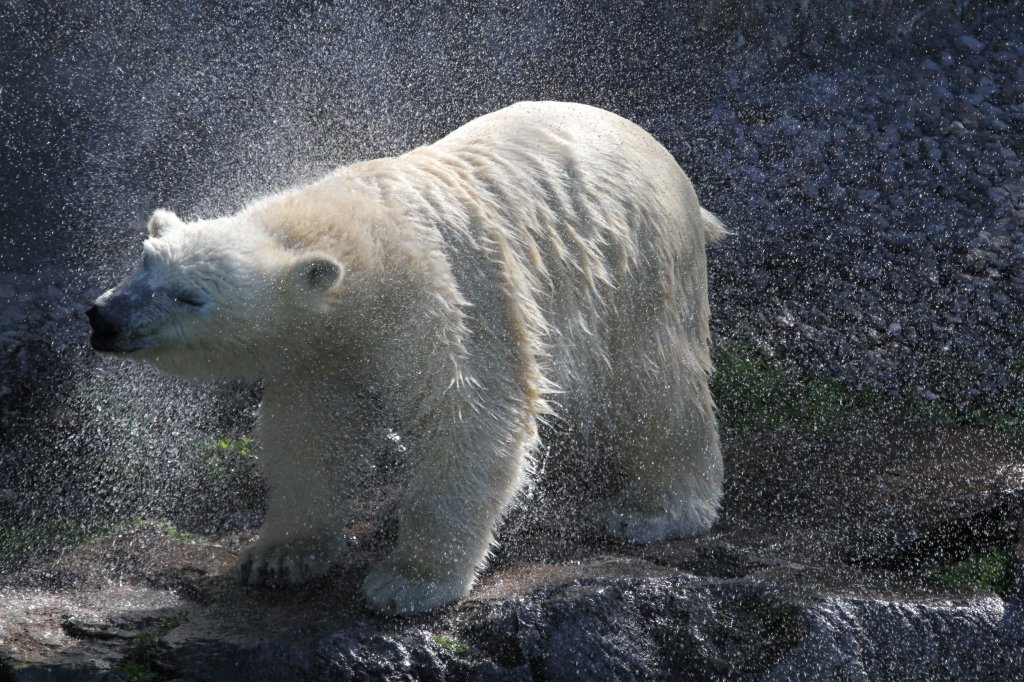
point(714, 229)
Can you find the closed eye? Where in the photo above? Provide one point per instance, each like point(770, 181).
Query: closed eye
point(189, 299)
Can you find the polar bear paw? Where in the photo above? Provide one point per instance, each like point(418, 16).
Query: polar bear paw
point(291, 562)
point(391, 590)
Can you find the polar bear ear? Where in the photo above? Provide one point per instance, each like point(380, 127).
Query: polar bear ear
point(162, 221)
point(315, 273)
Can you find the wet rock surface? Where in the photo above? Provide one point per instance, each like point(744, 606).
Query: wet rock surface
point(875, 193)
point(788, 585)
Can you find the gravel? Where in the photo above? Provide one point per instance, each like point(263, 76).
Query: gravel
point(880, 196)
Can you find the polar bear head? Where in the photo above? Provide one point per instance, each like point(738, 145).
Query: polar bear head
point(214, 298)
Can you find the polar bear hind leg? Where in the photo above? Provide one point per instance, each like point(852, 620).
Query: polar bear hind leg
point(666, 445)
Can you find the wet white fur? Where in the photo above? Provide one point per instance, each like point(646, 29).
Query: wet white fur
point(542, 262)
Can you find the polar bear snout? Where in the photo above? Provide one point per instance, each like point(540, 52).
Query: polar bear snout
point(111, 327)
point(106, 331)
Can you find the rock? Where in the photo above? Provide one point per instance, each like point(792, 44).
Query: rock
point(900, 241)
point(814, 563)
point(361, 655)
point(787, 319)
point(956, 128)
point(1015, 580)
point(970, 44)
point(212, 658)
point(998, 195)
point(754, 174)
point(850, 636)
point(932, 148)
point(869, 197)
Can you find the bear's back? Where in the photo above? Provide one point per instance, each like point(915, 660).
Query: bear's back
point(593, 135)
point(592, 225)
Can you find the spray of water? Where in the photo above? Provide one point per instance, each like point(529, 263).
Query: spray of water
point(200, 108)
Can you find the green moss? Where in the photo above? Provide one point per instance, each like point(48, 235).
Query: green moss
point(55, 534)
point(51, 535)
point(165, 527)
point(239, 446)
point(137, 665)
point(1004, 407)
point(138, 672)
point(986, 571)
point(450, 643)
point(228, 459)
point(753, 395)
point(1005, 415)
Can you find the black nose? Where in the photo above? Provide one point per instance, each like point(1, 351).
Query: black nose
point(101, 326)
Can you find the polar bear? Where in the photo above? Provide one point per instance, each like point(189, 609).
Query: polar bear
point(543, 262)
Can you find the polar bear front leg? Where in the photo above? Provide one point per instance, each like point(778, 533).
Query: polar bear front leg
point(465, 480)
point(307, 465)
point(301, 535)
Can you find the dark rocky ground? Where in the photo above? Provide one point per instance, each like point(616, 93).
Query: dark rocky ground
point(832, 560)
point(872, 176)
